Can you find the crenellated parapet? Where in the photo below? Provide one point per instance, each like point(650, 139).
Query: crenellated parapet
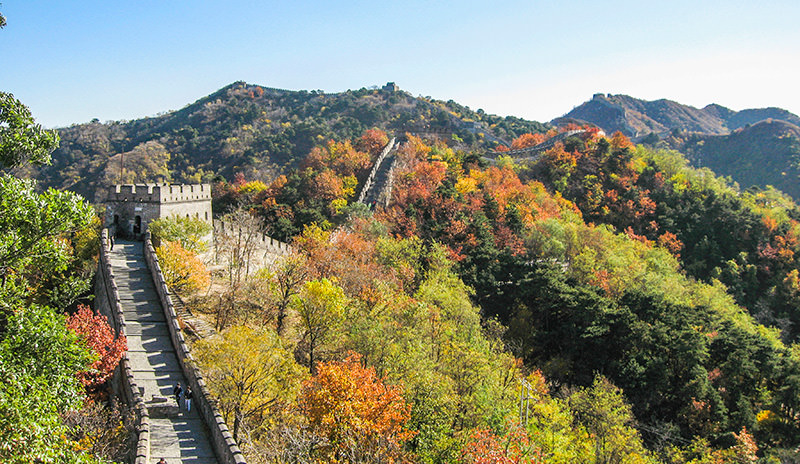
point(266, 250)
point(158, 193)
point(184, 193)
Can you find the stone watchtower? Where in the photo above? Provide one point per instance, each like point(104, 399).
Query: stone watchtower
point(129, 208)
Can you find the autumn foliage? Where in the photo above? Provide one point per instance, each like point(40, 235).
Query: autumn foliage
point(372, 141)
point(485, 447)
point(99, 336)
point(183, 270)
point(483, 208)
point(349, 405)
point(527, 141)
point(327, 181)
point(594, 256)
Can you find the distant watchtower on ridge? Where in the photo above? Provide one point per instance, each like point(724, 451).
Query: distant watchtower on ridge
point(130, 208)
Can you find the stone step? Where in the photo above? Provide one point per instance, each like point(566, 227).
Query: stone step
point(148, 329)
point(149, 343)
point(138, 265)
point(160, 383)
point(154, 315)
point(185, 460)
point(182, 459)
point(162, 376)
point(194, 326)
point(132, 303)
point(159, 410)
point(158, 387)
point(162, 361)
point(138, 296)
point(137, 292)
point(134, 283)
point(181, 436)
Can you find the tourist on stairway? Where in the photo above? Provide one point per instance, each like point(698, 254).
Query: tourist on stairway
point(177, 391)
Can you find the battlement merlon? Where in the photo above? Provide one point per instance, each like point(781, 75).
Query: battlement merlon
point(139, 193)
point(185, 192)
point(158, 193)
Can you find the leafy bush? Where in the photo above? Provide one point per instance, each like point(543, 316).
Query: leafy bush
point(188, 231)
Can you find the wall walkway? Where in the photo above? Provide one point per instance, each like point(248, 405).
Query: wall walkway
point(177, 436)
point(378, 186)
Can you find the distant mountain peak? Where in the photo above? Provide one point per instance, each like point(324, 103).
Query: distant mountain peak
point(759, 146)
point(636, 118)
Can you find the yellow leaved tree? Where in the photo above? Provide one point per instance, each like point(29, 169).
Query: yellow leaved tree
point(251, 373)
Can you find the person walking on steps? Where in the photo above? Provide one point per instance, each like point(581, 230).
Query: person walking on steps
point(177, 390)
point(162, 461)
point(187, 396)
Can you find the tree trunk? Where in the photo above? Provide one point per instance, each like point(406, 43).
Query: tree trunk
point(281, 317)
point(311, 356)
point(236, 421)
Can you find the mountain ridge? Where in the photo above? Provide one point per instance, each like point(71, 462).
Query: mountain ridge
point(766, 153)
point(754, 147)
point(262, 131)
point(259, 131)
point(637, 118)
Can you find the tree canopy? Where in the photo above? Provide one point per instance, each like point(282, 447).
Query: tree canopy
point(21, 139)
point(43, 238)
point(630, 282)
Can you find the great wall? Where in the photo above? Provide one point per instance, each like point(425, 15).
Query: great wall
point(131, 292)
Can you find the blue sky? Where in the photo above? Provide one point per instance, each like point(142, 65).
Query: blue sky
point(71, 61)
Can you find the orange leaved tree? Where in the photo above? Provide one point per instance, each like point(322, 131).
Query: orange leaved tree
point(183, 270)
point(484, 447)
point(527, 141)
point(98, 336)
point(362, 418)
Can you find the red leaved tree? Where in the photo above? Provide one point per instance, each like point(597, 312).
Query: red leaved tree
point(99, 336)
point(372, 141)
point(620, 142)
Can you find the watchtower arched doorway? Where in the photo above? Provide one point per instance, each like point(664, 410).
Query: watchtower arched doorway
point(137, 226)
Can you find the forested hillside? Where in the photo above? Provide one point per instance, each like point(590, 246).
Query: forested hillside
point(55, 355)
point(603, 269)
point(755, 147)
point(649, 308)
point(766, 153)
point(255, 130)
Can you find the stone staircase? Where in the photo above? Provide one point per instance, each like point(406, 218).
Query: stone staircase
point(193, 325)
point(175, 434)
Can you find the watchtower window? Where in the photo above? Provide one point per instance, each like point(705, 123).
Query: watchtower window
point(137, 225)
